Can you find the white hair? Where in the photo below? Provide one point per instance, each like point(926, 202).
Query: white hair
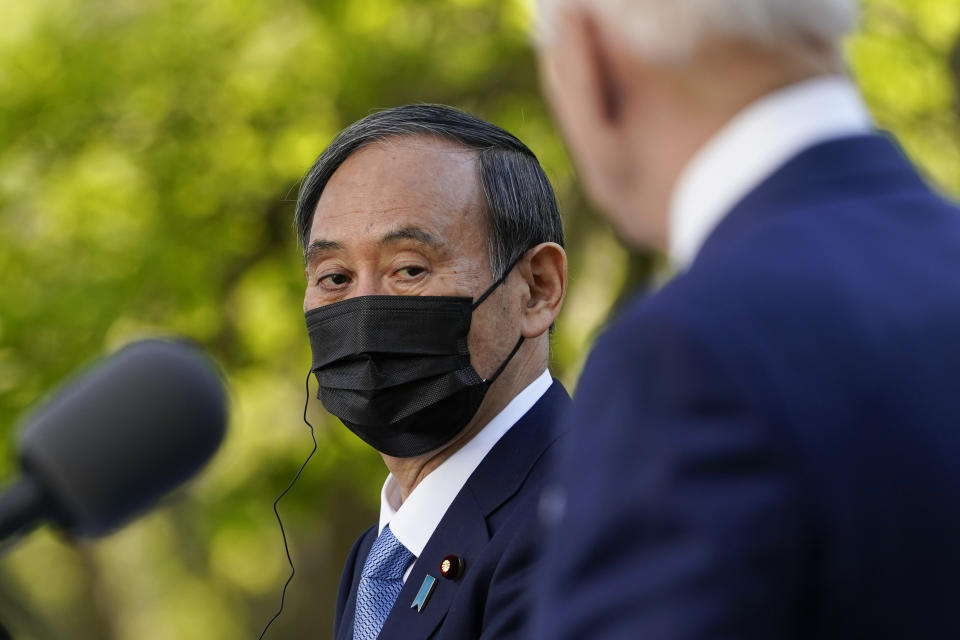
point(670, 30)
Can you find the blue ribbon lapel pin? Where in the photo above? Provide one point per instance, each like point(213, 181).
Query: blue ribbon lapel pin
point(426, 590)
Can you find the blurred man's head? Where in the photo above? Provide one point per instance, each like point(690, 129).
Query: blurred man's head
point(639, 85)
point(429, 201)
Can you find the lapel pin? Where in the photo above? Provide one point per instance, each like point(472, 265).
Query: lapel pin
point(426, 590)
point(452, 567)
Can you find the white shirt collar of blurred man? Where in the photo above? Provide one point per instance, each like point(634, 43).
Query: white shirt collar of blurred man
point(751, 147)
point(414, 521)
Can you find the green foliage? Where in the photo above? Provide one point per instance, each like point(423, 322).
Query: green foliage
point(908, 64)
point(149, 155)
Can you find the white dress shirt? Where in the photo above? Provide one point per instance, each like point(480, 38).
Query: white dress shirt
point(414, 520)
point(751, 147)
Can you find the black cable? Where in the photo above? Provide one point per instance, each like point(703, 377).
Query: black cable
point(313, 436)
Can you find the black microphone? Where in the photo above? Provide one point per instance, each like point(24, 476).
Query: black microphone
point(115, 439)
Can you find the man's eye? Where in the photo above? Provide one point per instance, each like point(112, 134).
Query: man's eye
point(333, 280)
point(411, 272)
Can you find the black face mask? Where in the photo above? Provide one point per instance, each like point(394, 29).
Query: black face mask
point(396, 369)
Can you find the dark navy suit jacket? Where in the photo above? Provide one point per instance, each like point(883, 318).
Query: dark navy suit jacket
point(493, 526)
point(769, 447)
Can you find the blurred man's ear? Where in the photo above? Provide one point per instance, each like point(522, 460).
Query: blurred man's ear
point(597, 88)
point(544, 273)
point(608, 92)
point(579, 59)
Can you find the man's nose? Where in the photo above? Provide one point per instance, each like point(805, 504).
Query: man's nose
point(368, 285)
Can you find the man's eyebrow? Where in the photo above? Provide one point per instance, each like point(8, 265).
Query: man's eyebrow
point(320, 246)
point(416, 234)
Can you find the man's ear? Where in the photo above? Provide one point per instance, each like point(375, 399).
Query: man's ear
point(544, 272)
point(583, 49)
point(600, 61)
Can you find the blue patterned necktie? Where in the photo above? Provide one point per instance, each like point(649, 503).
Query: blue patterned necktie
point(380, 583)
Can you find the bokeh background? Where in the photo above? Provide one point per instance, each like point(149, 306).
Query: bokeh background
point(150, 153)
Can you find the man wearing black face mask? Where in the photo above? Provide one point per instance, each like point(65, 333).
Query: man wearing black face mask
point(435, 269)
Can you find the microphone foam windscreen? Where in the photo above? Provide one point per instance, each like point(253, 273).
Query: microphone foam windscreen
point(115, 439)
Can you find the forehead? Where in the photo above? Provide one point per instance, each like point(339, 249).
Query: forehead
point(400, 183)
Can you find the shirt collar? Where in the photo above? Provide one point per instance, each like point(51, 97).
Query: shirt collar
point(414, 521)
point(751, 147)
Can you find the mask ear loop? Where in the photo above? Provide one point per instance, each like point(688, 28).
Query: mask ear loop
point(495, 285)
point(286, 548)
point(496, 374)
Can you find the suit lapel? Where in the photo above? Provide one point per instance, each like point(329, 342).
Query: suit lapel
point(463, 531)
point(503, 472)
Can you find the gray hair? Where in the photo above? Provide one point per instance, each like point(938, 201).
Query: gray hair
point(670, 30)
point(520, 204)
